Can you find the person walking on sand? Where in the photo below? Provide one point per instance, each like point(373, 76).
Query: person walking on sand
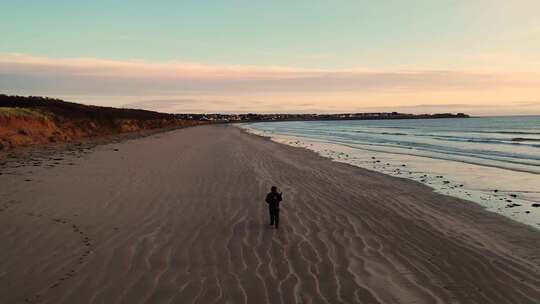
point(272, 199)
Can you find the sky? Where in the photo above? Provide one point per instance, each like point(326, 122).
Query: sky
point(421, 56)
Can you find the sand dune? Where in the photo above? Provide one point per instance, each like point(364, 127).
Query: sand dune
point(179, 217)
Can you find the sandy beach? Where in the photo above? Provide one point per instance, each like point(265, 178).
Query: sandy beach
point(179, 217)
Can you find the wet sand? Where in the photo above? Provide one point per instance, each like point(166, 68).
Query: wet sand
point(179, 217)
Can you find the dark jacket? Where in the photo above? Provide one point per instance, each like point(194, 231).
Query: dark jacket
point(273, 199)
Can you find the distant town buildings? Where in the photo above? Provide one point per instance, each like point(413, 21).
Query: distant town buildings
point(251, 117)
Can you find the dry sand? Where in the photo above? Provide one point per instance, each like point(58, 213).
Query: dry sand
point(179, 217)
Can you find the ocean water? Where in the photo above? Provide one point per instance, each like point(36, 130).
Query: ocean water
point(492, 161)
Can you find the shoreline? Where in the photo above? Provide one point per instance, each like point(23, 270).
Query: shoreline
point(178, 217)
point(442, 176)
point(462, 200)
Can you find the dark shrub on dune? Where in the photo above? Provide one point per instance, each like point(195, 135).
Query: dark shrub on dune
point(73, 110)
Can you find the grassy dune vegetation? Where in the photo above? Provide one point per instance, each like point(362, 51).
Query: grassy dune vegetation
point(23, 112)
point(39, 120)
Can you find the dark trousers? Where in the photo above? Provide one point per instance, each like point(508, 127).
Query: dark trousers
point(274, 215)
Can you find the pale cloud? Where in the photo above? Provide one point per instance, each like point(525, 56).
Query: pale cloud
point(137, 69)
point(193, 87)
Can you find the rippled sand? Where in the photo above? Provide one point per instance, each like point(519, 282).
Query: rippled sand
point(179, 217)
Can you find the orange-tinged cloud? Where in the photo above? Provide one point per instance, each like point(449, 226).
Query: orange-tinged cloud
point(182, 87)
